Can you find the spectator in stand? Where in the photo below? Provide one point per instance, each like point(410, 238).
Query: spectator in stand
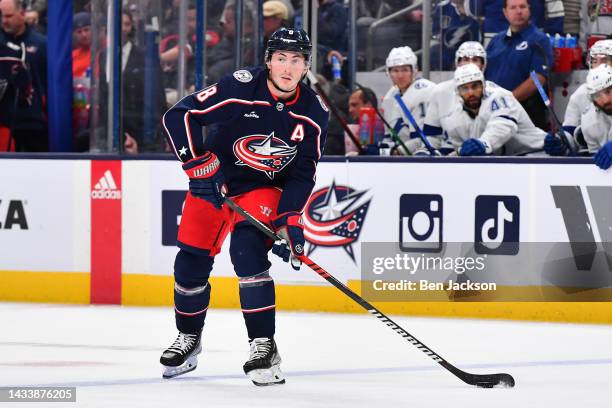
point(14, 87)
point(545, 14)
point(36, 15)
point(595, 21)
point(29, 125)
point(514, 53)
point(451, 27)
point(81, 51)
point(221, 57)
point(81, 73)
point(333, 27)
point(361, 98)
point(571, 21)
point(275, 16)
point(133, 91)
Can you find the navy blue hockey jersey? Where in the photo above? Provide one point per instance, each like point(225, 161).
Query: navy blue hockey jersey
point(260, 140)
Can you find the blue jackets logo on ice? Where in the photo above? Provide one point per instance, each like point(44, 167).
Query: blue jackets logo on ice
point(420, 227)
point(497, 225)
point(334, 217)
point(268, 154)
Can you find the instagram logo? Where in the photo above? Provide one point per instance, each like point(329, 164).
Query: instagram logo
point(420, 226)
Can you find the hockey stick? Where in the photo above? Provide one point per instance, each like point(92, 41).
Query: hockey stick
point(412, 121)
point(313, 79)
point(560, 131)
point(479, 380)
point(392, 131)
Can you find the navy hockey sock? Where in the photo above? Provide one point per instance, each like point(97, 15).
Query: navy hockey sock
point(257, 300)
point(191, 291)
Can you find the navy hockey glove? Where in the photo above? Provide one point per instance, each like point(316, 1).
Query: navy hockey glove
point(554, 146)
point(474, 147)
point(205, 178)
point(603, 158)
point(290, 228)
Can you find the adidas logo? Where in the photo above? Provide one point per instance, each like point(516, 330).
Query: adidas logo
point(106, 188)
point(251, 114)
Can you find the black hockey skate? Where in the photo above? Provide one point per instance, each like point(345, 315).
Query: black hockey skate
point(263, 366)
point(182, 356)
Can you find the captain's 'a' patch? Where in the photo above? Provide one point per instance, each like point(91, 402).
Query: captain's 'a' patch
point(243, 75)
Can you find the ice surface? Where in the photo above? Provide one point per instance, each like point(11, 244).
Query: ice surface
point(111, 354)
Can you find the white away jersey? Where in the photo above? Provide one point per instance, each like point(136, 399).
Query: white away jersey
point(501, 122)
point(416, 99)
point(576, 106)
point(596, 128)
point(443, 102)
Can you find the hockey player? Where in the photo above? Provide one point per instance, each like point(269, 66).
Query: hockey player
point(444, 99)
point(265, 134)
point(491, 121)
point(597, 120)
point(600, 53)
point(402, 67)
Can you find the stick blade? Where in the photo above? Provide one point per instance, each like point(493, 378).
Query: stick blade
point(501, 380)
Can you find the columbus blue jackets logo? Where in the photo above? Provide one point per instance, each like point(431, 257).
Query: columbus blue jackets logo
point(268, 154)
point(334, 217)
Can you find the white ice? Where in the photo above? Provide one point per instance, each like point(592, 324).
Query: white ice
point(111, 355)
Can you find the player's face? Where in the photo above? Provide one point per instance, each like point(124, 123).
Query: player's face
point(597, 60)
point(82, 36)
point(603, 100)
point(471, 94)
point(478, 61)
point(287, 69)
point(356, 103)
point(401, 76)
point(517, 13)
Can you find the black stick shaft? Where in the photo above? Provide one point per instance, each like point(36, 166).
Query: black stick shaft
point(313, 79)
point(485, 380)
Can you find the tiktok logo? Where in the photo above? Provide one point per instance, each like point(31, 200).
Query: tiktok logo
point(497, 225)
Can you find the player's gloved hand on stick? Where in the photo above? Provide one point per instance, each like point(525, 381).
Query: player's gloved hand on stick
point(554, 146)
point(474, 147)
point(206, 180)
point(603, 158)
point(290, 228)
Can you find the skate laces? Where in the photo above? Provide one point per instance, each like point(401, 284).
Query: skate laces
point(183, 343)
point(260, 347)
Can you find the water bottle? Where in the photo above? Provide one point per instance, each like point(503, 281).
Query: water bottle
point(336, 69)
point(379, 130)
point(364, 129)
point(559, 41)
point(570, 41)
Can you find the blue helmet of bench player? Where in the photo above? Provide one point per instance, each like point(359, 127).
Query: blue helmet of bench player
point(289, 39)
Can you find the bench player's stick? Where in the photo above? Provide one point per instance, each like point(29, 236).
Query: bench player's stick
point(392, 131)
point(315, 82)
point(415, 125)
point(480, 380)
point(560, 131)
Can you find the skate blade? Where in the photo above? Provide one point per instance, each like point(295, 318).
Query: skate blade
point(189, 365)
point(267, 376)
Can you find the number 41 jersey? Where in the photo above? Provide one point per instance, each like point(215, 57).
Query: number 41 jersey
point(261, 141)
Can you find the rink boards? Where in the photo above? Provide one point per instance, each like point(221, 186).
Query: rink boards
point(103, 231)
